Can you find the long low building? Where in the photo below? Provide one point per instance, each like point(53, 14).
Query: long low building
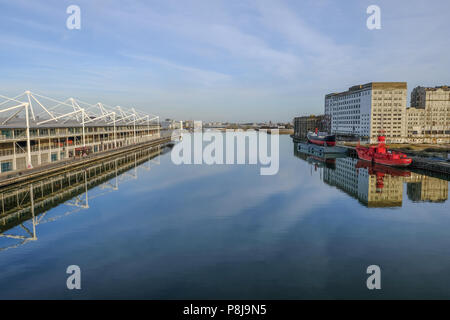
point(36, 130)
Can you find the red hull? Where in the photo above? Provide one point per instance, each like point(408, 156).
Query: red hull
point(321, 139)
point(322, 142)
point(380, 155)
point(397, 163)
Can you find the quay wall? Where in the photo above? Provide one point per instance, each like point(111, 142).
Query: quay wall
point(65, 165)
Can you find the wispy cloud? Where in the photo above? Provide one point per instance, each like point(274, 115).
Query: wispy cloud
point(207, 77)
point(230, 60)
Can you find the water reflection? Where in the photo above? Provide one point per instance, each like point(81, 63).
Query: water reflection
point(226, 232)
point(375, 185)
point(26, 206)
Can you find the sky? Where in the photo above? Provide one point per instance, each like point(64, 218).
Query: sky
point(213, 60)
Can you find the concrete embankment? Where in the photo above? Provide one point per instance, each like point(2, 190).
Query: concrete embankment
point(430, 165)
point(61, 166)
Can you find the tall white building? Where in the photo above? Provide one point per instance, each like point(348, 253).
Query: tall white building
point(368, 110)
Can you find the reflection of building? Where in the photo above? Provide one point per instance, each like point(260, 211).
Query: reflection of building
point(302, 125)
point(389, 194)
point(345, 176)
point(429, 115)
point(365, 110)
point(376, 185)
point(424, 188)
point(372, 190)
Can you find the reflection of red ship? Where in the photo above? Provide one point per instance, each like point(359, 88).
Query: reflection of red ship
point(380, 171)
point(379, 154)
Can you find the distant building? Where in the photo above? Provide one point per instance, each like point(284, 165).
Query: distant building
point(428, 118)
point(302, 125)
point(187, 124)
point(367, 110)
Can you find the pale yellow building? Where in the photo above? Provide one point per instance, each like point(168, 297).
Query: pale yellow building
point(428, 118)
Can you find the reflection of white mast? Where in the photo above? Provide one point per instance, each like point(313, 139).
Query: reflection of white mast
point(135, 165)
point(78, 200)
point(32, 211)
point(157, 160)
point(31, 235)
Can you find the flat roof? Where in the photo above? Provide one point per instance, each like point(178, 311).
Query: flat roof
point(370, 85)
point(312, 116)
point(444, 88)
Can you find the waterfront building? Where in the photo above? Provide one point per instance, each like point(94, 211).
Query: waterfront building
point(365, 111)
point(302, 125)
point(429, 115)
point(37, 130)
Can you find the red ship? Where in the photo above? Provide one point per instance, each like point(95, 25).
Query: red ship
point(379, 154)
point(321, 138)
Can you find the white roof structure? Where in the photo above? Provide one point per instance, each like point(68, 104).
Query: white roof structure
point(32, 110)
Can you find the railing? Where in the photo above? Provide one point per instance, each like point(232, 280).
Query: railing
point(23, 135)
point(129, 140)
point(6, 152)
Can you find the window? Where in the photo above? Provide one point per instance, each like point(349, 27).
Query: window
point(7, 133)
point(43, 132)
point(18, 132)
point(6, 166)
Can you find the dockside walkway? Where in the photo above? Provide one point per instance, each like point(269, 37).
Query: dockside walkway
point(51, 169)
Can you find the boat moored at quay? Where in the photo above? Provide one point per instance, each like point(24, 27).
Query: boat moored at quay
point(321, 138)
point(381, 155)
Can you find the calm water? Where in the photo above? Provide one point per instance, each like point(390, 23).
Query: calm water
point(154, 230)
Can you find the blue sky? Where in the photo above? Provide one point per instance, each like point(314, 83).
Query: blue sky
point(219, 60)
